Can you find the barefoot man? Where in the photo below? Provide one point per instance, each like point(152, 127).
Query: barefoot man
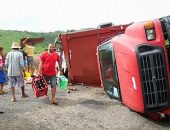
point(15, 66)
point(48, 70)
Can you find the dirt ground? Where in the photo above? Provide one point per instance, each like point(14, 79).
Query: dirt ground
point(88, 108)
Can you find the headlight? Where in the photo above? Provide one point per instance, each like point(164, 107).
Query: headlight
point(150, 34)
point(150, 30)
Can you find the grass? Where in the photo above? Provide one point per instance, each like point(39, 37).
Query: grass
point(9, 36)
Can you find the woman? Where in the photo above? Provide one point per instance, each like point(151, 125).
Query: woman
point(2, 69)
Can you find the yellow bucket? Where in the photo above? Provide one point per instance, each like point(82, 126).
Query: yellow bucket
point(27, 74)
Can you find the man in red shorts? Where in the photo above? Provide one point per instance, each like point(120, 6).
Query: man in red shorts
point(48, 70)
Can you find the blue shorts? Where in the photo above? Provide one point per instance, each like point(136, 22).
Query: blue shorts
point(16, 81)
point(2, 77)
point(52, 79)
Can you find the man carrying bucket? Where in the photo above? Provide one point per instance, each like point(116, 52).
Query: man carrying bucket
point(47, 69)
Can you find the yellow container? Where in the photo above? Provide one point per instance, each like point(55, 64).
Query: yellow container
point(27, 74)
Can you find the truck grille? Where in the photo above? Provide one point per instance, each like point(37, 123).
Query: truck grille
point(153, 77)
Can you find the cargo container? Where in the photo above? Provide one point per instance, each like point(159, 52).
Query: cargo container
point(80, 52)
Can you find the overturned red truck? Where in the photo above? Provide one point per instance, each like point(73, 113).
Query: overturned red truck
point(134, 67)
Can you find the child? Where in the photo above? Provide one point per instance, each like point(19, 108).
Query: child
point(2, 74)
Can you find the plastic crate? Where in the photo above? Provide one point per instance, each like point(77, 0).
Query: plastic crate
point(39, 86)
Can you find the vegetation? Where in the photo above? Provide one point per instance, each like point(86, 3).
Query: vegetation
point(8, 36)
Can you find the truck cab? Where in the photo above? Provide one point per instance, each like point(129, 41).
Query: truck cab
point(134, 67)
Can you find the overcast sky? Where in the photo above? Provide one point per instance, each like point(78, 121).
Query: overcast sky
point(52, 15)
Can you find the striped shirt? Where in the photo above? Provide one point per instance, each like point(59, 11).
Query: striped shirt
point(14, 63)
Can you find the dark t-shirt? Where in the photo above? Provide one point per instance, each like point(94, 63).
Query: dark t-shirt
point(24, 54)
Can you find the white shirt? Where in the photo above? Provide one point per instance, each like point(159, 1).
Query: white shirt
point(62, 58)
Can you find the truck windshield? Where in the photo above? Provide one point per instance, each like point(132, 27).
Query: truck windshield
point(109, 70)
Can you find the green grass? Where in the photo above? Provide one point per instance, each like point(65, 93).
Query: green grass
point(8, 36)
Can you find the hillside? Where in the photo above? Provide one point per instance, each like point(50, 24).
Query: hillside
point(8, 36)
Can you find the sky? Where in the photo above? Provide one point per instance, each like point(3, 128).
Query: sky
point(53, 15)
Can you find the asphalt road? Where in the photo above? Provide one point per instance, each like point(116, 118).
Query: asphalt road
point(88, 108)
